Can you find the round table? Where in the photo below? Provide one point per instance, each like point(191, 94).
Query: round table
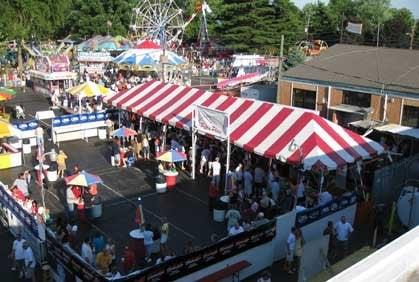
point(170, 178)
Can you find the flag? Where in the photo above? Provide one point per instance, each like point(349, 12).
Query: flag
point(354, 27)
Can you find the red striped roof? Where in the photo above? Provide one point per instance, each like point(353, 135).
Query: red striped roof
point(263, 128)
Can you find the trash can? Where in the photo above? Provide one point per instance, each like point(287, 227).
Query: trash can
point(219, 211)
point(101, 133)
point(161, 185)
point(26, 146)
point(95, 211)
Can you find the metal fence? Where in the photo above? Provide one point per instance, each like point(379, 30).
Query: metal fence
point(389, 180)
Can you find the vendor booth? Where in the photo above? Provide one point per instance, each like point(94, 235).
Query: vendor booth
point(93, 62)
point(79, 126)
point(51, 74)
point(9, 155)
point(27, 135)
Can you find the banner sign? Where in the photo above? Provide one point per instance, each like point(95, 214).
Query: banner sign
point(76, 119)
point(308, 216)
point(172, 269)
point(354, 28)
point(94, 57)
point(211, 122)
point(7, 201)
point(27, 125)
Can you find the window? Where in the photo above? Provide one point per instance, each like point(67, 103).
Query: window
point(356, 99)
point(410, 116)
point(304, 99)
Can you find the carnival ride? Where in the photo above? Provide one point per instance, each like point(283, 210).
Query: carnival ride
point(312, 48)
point(162, 21)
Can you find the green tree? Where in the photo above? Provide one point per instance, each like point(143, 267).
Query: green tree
point(396, 30)
point(295, 57)
point(250, 26)
point(373, 14)
point(321, 24)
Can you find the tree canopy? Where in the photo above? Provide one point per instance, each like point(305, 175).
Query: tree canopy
point(242, 25)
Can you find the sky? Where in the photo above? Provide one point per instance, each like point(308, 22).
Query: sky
point(412, 5)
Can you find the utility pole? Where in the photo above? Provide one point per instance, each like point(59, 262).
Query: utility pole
point(281, 55)
point(341, 28)
point(308, 25)
point(378, 34)
point(412, 35)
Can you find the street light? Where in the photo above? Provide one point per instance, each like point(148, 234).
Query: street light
point(53, 155)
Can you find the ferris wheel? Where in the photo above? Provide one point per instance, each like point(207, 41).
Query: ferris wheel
point(158, 20)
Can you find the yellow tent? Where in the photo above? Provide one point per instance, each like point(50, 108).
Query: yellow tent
point(89, 89)
point(7, 130)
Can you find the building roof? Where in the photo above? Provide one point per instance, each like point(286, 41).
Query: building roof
point(363, 68)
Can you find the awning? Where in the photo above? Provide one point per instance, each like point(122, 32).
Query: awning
point(350, 109)
point(399, 129)
point(53, 75)
point(264, 128)
point(242, 79)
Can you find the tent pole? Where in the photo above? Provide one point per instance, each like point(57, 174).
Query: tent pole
point(228, 155)
point(193, 145)
point(141, 124)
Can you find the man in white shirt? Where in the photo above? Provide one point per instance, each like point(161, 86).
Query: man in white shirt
point(236, 229)
point(39, 132)
point(87, 252)
point(30, 263)
point(215, 166)
point(22, 184)
point(290, 250)
point(343, 231)
point(324, 198)
point(17, 253)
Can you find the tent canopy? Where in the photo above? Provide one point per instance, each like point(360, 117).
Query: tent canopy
point(8, 130)
point(264, 128)
point(89, 89)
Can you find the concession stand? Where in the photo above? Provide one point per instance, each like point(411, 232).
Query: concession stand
point(9, 155)
point(51, 74)
point(93, 62)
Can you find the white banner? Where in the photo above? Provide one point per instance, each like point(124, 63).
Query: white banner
point(211, 122)
point(354, 27)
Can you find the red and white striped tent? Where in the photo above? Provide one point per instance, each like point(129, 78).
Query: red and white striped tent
point(266, 129)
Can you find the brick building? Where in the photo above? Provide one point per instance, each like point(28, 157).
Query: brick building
point(349, 83)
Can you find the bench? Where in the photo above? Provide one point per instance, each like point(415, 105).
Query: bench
point(229, 270)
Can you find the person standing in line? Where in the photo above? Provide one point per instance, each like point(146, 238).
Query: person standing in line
point(87, 252)
point(146, 147)
point(330, 230)
point(239, 176)
point(290, 251)
point(39, 132)
point(299, 243)
point(148, 241)
point(248, 182)
point(212, 195)
point(343, 231)
point(61, 162)
point(30, 263)
point(233, 216)
point(17, 254)
point(164, 236)
point(22, 184)
point(215, 167)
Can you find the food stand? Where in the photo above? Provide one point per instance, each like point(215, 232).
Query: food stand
point(79, 126)
point(9, 155)
point(52, 73)
point(93, 62)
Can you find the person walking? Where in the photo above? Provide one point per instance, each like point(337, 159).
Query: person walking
point(61, 162)
point(30, 263)
point(164, 236)
point(343, 231)
point(330, 231)
point(146, 147)
point(17, 254)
